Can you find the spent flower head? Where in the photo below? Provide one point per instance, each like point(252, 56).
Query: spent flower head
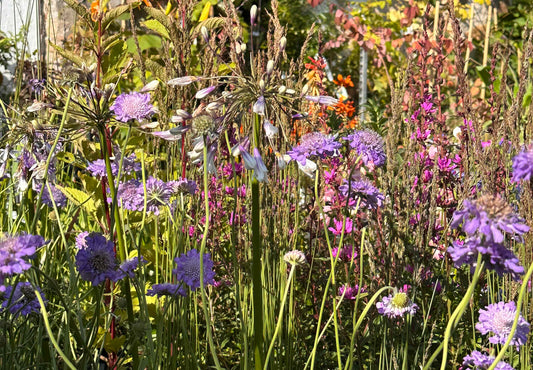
point(295, 258)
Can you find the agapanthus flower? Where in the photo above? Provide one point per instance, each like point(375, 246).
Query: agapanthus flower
point(97, 262)
point(132, 106)
point(523, 165)
point(259, 106)
point(495, 256)
point(254, 163)
point(497, 318)
point(167, 289)
point(204, 92)
point(15, 251)
point(316, 144)
point(22, 299)
point(322, 99)
point(188, 269)
point(369, 145)
point(491, 216)
point(396, 305)
point(362, 191)
point(481, 361)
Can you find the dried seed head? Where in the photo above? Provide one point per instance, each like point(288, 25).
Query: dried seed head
point(203, 125)
point(496, 207)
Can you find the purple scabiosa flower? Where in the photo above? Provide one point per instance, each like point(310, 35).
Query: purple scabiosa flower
point(498, 318)
point(495, 256)
point(314, 143)
point(97, 262)
point(345, 254)
point(350, 293)
point(183, 186)
point(15, 252)
point(129, 195)
point(188, 269)
point(167, 289)
point(97, 168)
point(81, 242)
point(158, 193)
point(132, 106)
point(369, 145)
point(491, 216)
point(523, 165)
point(361, 190)
point(396, 305)
point(58, 197)
point(127, 268)
point(22, 300)
point(481, 361)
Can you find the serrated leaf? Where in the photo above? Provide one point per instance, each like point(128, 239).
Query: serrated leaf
point(210, 24)
point(80, 198)
point(110, 41)
point(114, 13)
point(80, 9)
point(156, 26)
point(162, 18)
point(77, 60)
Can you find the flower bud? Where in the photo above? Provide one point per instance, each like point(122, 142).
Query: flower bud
point(282, 43)
point(238, 48)
point(270, 67)
point(253, 14)
point(205, 33)
point(183, 81)
point(262, 85)
point(204, 92)
point(151, 86)
point(282, 89)
point(243, 47)
point(270, 130)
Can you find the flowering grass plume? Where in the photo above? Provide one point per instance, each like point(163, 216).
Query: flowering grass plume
point(132, 106)
point(21, 300)
point(396, 305)
point(188, 269)
point(498, 318)
point(96, 262)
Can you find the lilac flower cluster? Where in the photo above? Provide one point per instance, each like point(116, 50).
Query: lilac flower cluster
point(314, 144)
point(498, 319)
point(396, 305)
point(480, 361)
point(132, 106)
point(485, 221)
point(369, 145)
point(15, 251)
point(21, 299)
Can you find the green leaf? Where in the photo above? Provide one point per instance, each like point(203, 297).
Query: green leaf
point(145, 42)
point(527, 97)
point(155, 25)
point(114, 13)
point(110, 41)
point(80, 9)
point(156, 69)
point(210, 24)
point(79, 198)
point(76, 59)
point(483, 73)
point(162, 18)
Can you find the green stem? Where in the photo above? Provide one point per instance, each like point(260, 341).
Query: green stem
point(456, 316)
point(523, 291)
point(280, 316)
point(205, 302)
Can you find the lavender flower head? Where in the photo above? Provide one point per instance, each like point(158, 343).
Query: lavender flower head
point(316, 144)
point(97, 168)
point(15, 252)
point(132, 106)
point(498, 318)
point(523, 165)
point(97, 262)
point(22, 299)
point(188, 269)
point(167, 289)
point(495, 256)
point(491, 216)
point(183, 186)
point(369, 145)
point(480, 361)
point(396, 305)
point(361, 190)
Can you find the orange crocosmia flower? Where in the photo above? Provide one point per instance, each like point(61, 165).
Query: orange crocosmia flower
point(343, 109)
point(147, 3)
point(346, 82)
point(95, 10)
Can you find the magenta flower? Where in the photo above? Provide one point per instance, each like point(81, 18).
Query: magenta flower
point(337, 230)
